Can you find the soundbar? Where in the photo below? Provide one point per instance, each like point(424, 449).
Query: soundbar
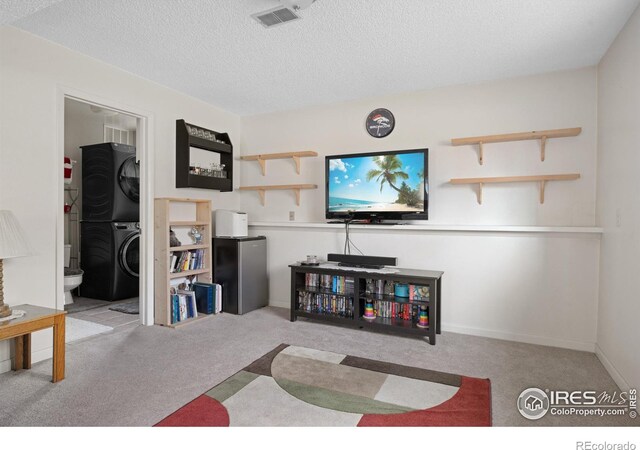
point(368, 262)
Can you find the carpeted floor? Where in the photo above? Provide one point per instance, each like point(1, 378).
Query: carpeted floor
point(138, 375)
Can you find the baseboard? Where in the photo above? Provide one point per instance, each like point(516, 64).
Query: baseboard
point(281, 305)
point(5, 366)
point(524, 338)
point(37, 356)
point(619, 379)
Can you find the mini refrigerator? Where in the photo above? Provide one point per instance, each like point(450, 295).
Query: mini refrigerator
point(240, 266)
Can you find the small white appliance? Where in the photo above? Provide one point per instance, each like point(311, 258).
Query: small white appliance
point(231, 223)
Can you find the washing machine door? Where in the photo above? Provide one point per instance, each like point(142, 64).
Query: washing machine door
point(129, 178)
point(129, 256)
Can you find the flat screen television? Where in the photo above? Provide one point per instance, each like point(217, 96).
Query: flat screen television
point(389, 185)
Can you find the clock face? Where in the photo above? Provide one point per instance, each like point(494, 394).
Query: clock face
point(380, 123)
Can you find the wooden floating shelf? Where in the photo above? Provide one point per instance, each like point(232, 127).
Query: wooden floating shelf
point(524, 136)
point(294, 187)
point(263, 158)
point(542, 179)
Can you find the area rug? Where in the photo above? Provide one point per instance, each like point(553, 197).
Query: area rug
point(76, 329)
point(297, 386)
point(130, 307)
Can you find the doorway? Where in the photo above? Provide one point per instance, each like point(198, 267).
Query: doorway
point(103, 129)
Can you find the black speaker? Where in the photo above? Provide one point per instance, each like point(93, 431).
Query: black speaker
point(370, 262)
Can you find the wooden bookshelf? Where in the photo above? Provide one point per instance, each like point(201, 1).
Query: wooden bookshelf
point(162, 253)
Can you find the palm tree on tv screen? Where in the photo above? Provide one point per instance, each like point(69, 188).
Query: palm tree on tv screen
point(388, 171)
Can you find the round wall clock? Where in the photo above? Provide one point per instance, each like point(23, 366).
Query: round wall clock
point(380, 123)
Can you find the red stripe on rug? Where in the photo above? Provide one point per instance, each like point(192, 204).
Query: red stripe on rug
point(469, 407)
point(204, 411)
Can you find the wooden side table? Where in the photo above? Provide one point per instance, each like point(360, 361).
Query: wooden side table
point(36, 318)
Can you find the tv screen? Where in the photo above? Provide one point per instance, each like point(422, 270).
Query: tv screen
point(385, 185)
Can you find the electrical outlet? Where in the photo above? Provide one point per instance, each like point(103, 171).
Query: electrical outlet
point(292, 215)
point(618, 218)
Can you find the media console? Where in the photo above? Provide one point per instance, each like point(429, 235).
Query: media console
point(393, 299)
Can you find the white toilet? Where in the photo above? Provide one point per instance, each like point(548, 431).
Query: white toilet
point(72, 277)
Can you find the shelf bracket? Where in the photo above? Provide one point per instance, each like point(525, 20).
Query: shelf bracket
point(542, 186)
point(296, 159)
point(263, 166)
point(297, 192)
point(481, 153)
point(543, 143)
point(262, 193)
point(480, 193)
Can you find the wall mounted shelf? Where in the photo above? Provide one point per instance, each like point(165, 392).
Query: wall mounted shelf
point(294, 187)
point(188, 138)
point(263, 158)
point(529, 135)
point(542, 179)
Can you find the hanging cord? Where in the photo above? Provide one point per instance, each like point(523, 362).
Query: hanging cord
point(347, 240)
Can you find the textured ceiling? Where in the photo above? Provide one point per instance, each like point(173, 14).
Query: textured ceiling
point(12, 10)
point(340, 50)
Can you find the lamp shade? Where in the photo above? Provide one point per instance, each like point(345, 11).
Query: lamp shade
point(12, 237)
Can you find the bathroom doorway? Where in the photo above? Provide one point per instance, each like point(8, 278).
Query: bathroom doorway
point(105, 202)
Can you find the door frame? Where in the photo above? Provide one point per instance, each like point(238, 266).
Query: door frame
point(144, 144)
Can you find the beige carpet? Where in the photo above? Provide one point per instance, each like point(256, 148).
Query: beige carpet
point(138, 375)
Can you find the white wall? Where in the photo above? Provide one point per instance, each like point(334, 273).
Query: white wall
point(430, 119)
point(535, 287)
point(618, 207)
point(527, 287)
point(31, 72)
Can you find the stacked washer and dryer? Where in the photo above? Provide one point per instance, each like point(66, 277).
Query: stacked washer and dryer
point(110, 228)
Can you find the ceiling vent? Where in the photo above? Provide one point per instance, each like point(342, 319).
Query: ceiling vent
point(275, 16)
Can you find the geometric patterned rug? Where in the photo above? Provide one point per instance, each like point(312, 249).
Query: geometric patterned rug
point(297, 386)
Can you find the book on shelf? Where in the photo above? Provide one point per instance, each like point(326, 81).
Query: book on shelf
point(396, 310)
point(334, 283)
point(208, 297)
point(183, 261)
point(329, 304)
point(183, 306)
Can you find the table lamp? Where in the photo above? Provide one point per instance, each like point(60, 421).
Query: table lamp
point(12, 244)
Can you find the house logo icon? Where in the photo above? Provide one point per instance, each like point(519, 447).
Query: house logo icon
point(533, 403)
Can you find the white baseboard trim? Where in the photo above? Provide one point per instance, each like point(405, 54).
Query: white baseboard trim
point(524, 338)
point(619, 379)
point(36, 356)
point(280, 305)
point(5, 366)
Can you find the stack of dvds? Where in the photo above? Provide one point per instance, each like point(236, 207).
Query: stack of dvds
point(330, 304)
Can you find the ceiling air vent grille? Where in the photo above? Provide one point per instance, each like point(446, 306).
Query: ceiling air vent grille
point(275, 16)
